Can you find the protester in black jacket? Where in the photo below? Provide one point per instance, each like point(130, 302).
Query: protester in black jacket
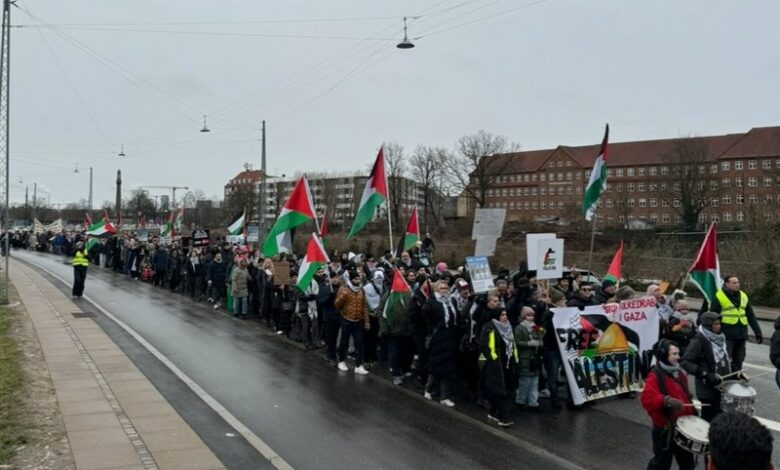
point(331, 317)
point(583, 298)
point(442, 342)
point(774, 350)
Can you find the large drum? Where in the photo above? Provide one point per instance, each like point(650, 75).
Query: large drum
point(738, 398)
point(690, 433)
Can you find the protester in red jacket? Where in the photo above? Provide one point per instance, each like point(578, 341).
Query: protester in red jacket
point(665, 397)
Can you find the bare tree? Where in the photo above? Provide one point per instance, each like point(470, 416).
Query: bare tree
point(139, 204)
point(396, 167)
point(478, 162)
point(428, 169)
point(240, 199)
point(690, 180)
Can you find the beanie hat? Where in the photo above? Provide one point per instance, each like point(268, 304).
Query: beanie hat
point(624, 293)
point(607, 283)
point(556, 296)
point(706, 319)
point(441, 266)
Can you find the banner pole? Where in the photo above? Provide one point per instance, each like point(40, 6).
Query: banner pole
point(592, 241)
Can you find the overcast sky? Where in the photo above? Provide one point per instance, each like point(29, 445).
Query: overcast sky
point(108, 72)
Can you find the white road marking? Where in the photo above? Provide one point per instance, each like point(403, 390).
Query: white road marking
point(773, 425)
point(261, 446)
point(759, 367)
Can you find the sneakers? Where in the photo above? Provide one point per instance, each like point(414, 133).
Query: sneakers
point(448, 403)
point(428, 396)
point(342, 365)
point(398, 380)
point(216, 306)
point(492, 418)
point(211, 300)
point(544, 393)
point(280, 332)
point(505, 424)
point(408, 374)
point(361, 370)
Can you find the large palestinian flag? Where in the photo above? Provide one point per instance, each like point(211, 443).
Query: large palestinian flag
point(705, 270)
point(374, 194)
point(412, 234)
point(104, 228)
point(597, 183)
point(314, 260)
point(298, 210)
point(237, 226)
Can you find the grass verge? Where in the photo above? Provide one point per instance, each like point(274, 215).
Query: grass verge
point(11, 390)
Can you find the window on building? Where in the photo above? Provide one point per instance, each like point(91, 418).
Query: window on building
point(766, 164)
point(768, 199)
point(512, 205)
point(640, 171)
point(631, 203)
point(640, 187)
point(715, 202)
point(767, 216)
point(727, 216)
point(542, 177)
point(663, 186)
point(533, 177)
point(568, 162)
point(543, 205)
point(752, 164)
point(560, 164)
point(752, 182)
point(560, 190)
point(677, 218)
point(578, 175)
point(702, 169)
point(490, 193)
point(652, 187)
point(652, 171)
point(725, 166)
point(725, 182)
point(726, 199)
point(713, 184)
point(610, 203)
point(551, 164)
point(739, 199)
point(654, 217)
point(609, 172)
point(619, 172)
point(664, 170)
point(714, 169)
point(738, 165)
point(587, 174)
point(702, 218)
point(753, 198)
point(579, 189)
point(526, 191)
point(676, 185)
point(642, 202)
point(512, 178)
point(534, 205)
point(504, 192)
point(560, 204)
point(543, 191)
point(740, 216)
point(715, 218)
point(526, 177)
point(738, 182)
point(665, 218)
point(676, 203)
point(767, 181)
point(618, 187)
point(664, 203)
point(621, 219)
point(629, 172)
point(559, 176)
point(653, 202)
point(568, 176)
point(533, 191)
point(630, 187)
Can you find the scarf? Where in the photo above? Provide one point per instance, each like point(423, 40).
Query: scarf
point(674, 371)
point(505, 330)
point(353, 287)
point(447, 306)
point(718, 342)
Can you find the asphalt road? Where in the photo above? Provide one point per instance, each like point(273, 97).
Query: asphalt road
point(315, 417)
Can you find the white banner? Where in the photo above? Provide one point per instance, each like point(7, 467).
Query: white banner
point(488, 223)
point(606, 349)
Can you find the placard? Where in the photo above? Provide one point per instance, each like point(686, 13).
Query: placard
point(281, 273)
point(200, 238)
point(532, 246)
point(488, 223)
point(253, 232)
point(549, 258)
point(606, 349)
point(485, 246)
point(479, 271)
point(143, 235)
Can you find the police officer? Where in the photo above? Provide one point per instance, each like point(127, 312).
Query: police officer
point(736, 311)
point(80, 263)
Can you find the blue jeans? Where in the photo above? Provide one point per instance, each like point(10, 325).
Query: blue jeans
point(240, 305)
point(552, 364)
point(528, 391)
point(356, 330)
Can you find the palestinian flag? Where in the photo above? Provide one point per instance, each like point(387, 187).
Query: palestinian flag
point(613, 273)
point(237, 227)
point(314, 260)
point(103, 228)
point(179, 219)
point(374, 194)
point(597, 183)
point(705, 271)
point(399, 291)
point(298, 210)
point(412, 232)
point(87, 221)
point(168, 229)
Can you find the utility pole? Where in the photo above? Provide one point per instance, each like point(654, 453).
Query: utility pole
point(5, 135)
point(35, 200)
point(263, 188)
point(118, 194)
point(90, 189)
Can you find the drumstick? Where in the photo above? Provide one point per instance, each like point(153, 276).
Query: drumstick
point(733, 373)
point(758, 375)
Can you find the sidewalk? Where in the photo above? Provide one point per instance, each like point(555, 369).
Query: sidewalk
point(115, 418)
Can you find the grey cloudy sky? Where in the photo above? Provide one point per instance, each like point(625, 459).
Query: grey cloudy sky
point(541, 73)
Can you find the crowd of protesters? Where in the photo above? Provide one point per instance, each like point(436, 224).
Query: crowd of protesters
point(498, 347)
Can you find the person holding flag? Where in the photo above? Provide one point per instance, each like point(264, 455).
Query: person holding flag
point(313, 262)
point(396, 327)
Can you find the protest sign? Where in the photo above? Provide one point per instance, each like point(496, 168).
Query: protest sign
point(488, 223)
point(253, 232)
point(200, 238)
point(549, 258)
point(532, 246)
point(143, 235)
point(479, 271)
point(606, 349)
point(281, 273)
point(485, 246)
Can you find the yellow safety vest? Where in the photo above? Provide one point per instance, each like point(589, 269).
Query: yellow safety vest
point(492, 346)
point(80, 258)
point(731, 313)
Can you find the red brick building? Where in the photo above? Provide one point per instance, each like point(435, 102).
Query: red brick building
point(248, 179)
point(738, 175)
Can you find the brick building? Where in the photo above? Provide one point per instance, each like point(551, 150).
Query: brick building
point(246, 179)
point(735, 176)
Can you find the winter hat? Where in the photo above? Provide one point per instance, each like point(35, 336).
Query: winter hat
point(706, 319)
point(661, 350)
point(624, 293)
point(651, 289)
point(379, 275)
point(607, 283)
point(441, 267)
point(462, 284)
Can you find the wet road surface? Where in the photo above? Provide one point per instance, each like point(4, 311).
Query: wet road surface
point(315, 417)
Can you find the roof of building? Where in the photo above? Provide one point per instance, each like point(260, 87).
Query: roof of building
point(250, 175)
point(758, 142)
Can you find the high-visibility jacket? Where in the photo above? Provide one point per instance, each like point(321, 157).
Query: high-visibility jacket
point(494, 351)
point(731, 313)
point(80, 258)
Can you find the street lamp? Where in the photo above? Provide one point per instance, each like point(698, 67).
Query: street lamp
point(406, 43)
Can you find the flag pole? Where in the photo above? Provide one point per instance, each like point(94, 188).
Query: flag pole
point(592, 241)
point(389, 209)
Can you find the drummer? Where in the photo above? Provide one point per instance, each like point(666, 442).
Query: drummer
point(666, 398)
point(707, 359)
